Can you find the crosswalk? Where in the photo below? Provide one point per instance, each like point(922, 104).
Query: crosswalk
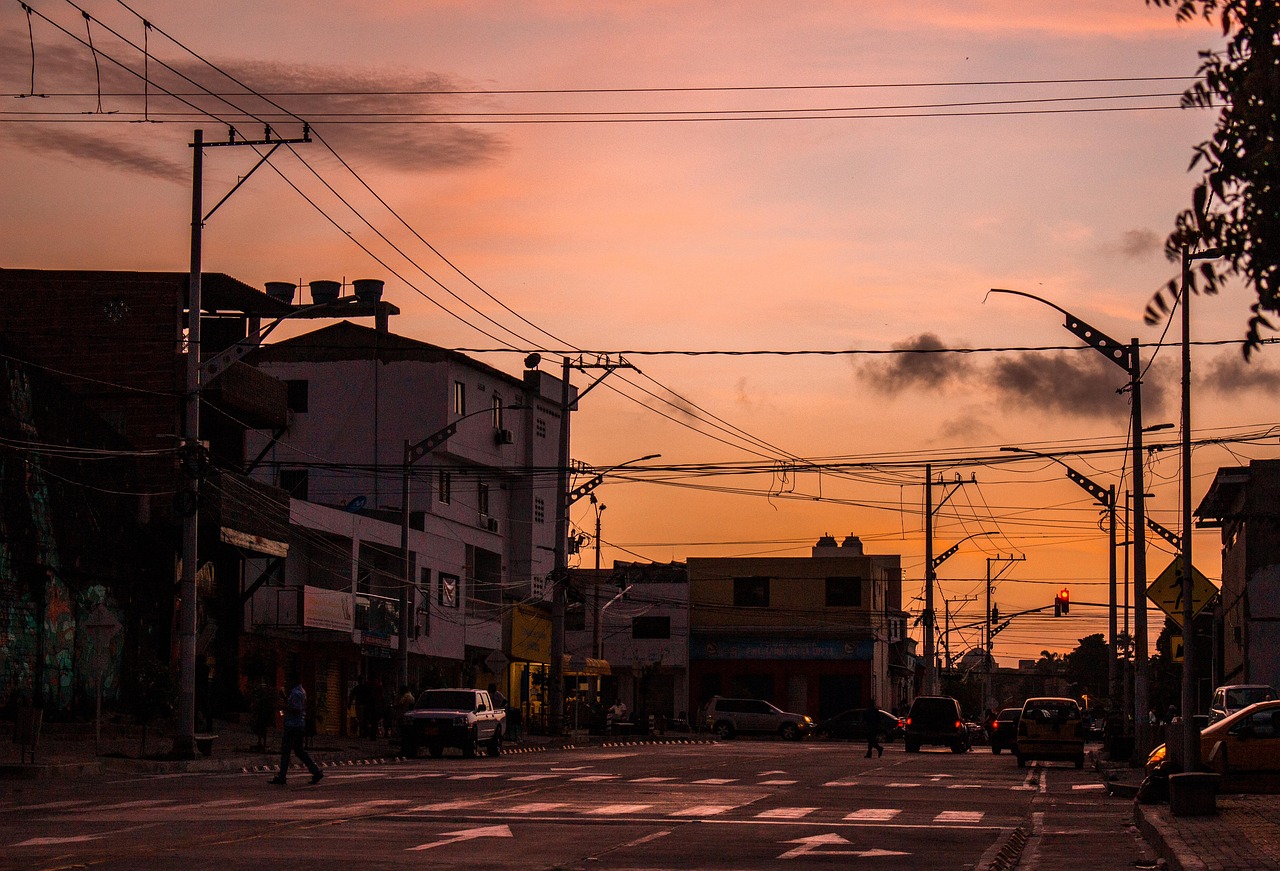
point(88, 811)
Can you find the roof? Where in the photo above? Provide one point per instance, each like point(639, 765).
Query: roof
point(345, 341)
point(1223, 496)
point(218, 291)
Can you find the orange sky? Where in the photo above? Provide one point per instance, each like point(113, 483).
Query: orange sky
point(859, 232)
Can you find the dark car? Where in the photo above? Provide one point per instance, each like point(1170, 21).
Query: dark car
point(852, 726)
point(1004, 730)
point(936, 720)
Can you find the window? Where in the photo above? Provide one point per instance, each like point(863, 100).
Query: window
point(445, 487)
point(844, 592)
point(540, 427)
point(450, 591)
point(459, 398)
point(482, 497)
point(295, 482)
point(539, 510)
point(495, 403)
point(751, 592)
point(651, 627)
point(297, 394)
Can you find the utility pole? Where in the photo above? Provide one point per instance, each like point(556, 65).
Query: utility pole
point(595, 588)
point(991, 617)
point(931, 564)
point(192, 453)
point(560, 569)
point(1129, 359)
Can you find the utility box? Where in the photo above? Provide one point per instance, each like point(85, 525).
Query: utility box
point(1193, 794)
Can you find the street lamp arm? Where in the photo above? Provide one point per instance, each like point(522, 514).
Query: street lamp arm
point(596, 480)
point(950, 552)
point(1101, 495)
point(1121, 355)
point(416, 451)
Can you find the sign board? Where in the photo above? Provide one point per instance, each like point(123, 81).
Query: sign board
point(327, 609)
point(1166, 591)
point(1175, 647)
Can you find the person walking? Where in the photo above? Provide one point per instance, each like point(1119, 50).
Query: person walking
point(294, 735)
point(871, 721)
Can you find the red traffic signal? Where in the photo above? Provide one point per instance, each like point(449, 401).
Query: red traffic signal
point(1062, 602)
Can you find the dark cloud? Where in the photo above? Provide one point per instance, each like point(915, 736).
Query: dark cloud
point(1079, 384)
point(924, 365)
point(327, 97)
point(1228, 374)
point(1136, 244)
point(1075, 384)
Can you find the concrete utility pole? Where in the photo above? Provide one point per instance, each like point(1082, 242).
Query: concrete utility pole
point(564, 499)
point(1128, 359)
point(192, 454)
point(931, 564)
point(991, 617)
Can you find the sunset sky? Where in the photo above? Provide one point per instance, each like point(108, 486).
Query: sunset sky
point(702, 176)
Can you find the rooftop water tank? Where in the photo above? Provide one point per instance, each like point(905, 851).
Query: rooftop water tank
point(281, 290)
point(325, 291)
point(368, 290)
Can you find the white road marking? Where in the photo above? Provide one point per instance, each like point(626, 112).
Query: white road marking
point(901, 785)
point(619, 809)
point(45, 842)
point(536, 807)
point(959, 817)
point(536, 777)
point(703, 810)
point(1089, 786)
point(785, 813)
point(418, 776)
point(49, 805)
point(965, 786)
point(646, 839)
point(467, 835)
point(364, 775)
point(717, 781)
point(443, 806)
point(593, 778)
point(841, 783)
point(485, 776)
point(652, 779)
point(777, 782)
point(874, 814)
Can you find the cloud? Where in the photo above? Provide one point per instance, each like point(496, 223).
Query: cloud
point(1228, 374)
point(1137, 244)
point(924, 365)
point(93, 147)
point(334, 100)
point(1077, 384)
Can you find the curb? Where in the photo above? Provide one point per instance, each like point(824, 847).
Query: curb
point(656, 741)
point(1164, 840)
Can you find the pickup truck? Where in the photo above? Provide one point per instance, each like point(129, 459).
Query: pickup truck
point(462, 718)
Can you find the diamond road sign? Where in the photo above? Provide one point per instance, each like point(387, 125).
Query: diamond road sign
point(1166, 591)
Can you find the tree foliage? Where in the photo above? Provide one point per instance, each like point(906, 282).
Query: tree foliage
point(1236, 205)
point(1086, 666)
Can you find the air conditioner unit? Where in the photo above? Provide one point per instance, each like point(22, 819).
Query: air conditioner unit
point(492, 524)
point(503, 437)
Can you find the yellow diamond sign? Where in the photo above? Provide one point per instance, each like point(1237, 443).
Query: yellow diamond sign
point(1166, 591)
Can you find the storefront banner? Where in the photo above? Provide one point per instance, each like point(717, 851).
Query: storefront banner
point(327, 609)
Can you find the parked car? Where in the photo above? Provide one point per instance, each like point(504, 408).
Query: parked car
point(1004, 729)
point(1234, 697)
point(936, 720)
point(462, 718)
point(852, 726)
point(1050, 728)
point(728, 718)
point(1242, 744)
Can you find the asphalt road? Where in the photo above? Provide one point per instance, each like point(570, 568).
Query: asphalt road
point(735, 805)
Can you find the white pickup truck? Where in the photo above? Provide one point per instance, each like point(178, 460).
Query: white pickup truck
point(462, 718)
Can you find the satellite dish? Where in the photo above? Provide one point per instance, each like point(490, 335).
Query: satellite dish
point(532, 361)
point(356, 504)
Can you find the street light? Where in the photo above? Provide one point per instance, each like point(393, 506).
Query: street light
point(414, 451)
point(1107, 499)
point(1127, 359)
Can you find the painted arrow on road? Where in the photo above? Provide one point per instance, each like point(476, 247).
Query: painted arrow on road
point(813, 843)
point(467, 835)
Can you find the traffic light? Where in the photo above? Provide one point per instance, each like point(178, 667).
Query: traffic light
point(1062, 602)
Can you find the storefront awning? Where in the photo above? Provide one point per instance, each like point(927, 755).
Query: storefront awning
point(585, 665)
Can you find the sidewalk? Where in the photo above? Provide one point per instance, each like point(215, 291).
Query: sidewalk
point(1243, 836)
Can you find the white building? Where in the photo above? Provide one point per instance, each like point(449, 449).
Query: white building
point(481, 500)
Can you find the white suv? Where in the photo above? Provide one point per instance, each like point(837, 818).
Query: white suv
point(730, 717)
